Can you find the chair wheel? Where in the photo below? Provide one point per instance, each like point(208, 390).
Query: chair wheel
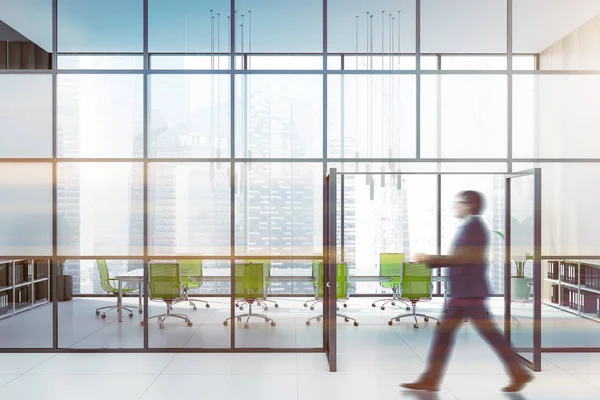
point(305, 305)
point(162, 326)
point(207, 305)
point(142, 323)
point(373, 305)
point(390, 323)
point(346, 320)
point(345, 305)
point(97, 312)
point(416, 326)
point(355, 323)
point(319, 319)
point(195, 308)
point(393, 303)
point(312, 308)
point(382, 307)
point(438, 323)
point(241, 308)
point(189, 323)
point(265, 308)
point(246, 326)
point(239, 320)
point(236, 305)
point(426, 319)
point(130, 315)
point(224, 323)
point(407, 308)
point(103, 316)
point(272, 323)
point(140, 311)
point(276, 305)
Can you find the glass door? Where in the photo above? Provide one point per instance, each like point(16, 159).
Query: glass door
point(522, 275)
point(329, 269)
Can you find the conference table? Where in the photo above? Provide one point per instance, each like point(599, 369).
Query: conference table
point(137, 276)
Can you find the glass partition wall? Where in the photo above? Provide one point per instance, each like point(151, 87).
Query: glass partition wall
point(202, 131)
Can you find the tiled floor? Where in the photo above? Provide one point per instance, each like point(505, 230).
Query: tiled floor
point(280, 376)
point(373, 357)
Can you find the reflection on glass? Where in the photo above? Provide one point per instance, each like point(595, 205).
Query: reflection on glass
point(100, 62)
point(376, 26)
point(279, 208)
point(100, 209)
point(25, 209)
point(189, 210)
point(99, 115)
point(188, 26)
point(27, 24)
point(563, 35)
point(90, 26)
point(474, 62)
point(447, 28)
point(189, 116)
point(555, 116)
point(279, 116)
point(493, 188)
point(470, 120)
point(272, 26)
point(394, 214)
point(100, 332)
point(25, 137)
point(371, 116)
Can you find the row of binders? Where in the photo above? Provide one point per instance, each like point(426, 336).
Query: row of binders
point(4, 303)
point(569, 272)
point(586, 302)
point(23, 272)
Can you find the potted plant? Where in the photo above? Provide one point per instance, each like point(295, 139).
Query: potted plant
point(519, 287)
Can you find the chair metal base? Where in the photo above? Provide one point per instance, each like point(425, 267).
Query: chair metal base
point(320, 316)
point(388, 301)
point(108, 308)
point(414, 314)
point(249, 315)
point(163, 317)
point(260, 303)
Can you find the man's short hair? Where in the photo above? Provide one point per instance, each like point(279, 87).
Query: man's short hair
point(475, 199)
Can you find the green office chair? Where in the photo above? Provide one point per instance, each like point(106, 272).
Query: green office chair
point(188, 269)
point(165, 285)
point(390, 266)
point(318, 294)
point(261, 302)
point(105, 283)
point(341, 293)
point(250, 286)
point(416, 286)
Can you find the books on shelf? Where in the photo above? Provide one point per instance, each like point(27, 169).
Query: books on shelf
point(553, 269)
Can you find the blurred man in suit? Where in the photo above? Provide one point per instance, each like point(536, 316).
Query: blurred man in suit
point(468, 285)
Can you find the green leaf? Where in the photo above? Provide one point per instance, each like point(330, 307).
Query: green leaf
point(499, 234)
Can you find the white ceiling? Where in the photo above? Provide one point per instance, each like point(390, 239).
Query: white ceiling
point(448, 26)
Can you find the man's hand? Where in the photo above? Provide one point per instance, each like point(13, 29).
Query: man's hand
point(421, 258)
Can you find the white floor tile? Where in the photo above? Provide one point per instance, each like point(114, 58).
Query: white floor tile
point(232, 364)
point(544, 387)
point(586, 363)
point(21, 363)
point(357, 386)
point(69, 387)
point(104, 364)
point(6, 378)
point(248, 387)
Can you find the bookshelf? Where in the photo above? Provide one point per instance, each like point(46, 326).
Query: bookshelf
point(24, 285)
point(573, 286)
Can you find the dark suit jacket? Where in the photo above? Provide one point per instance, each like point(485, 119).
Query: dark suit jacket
point(468, 261)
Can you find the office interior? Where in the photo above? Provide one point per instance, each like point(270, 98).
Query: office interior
point(137, 133)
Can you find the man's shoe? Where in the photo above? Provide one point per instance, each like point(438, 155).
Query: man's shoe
point(421, 385)
point(518, 383)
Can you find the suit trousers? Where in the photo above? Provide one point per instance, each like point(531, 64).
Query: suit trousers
point(473, 308)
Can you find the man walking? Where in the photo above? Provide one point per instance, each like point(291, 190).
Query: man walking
point(467, 277)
